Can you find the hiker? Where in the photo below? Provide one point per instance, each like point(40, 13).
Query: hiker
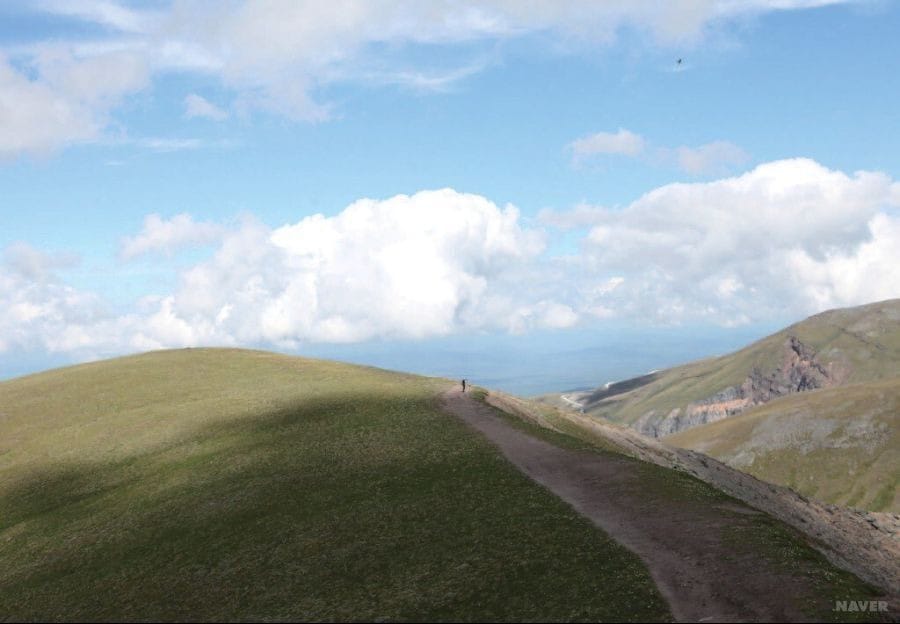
point(464, 385)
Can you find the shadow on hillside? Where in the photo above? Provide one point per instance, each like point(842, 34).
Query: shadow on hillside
point(261, 517)
point(335, 507)
point(54, 485)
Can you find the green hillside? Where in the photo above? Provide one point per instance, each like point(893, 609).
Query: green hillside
point(840, 346)
point(239, 485)
point(839, 445)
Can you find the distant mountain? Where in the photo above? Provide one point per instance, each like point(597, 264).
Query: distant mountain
point(828, 350)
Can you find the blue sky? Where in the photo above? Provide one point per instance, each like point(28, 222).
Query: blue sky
point(541, 174)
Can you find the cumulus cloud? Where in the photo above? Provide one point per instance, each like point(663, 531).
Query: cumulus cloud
point(39, 312)
point(276, 54)
point(409, 266)
point(844, 277)
point(789, 236)
point(166, 236)
point(417, 266)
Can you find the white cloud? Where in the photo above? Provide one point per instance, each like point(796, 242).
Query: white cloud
point(727, 7)
point(716, 157)
point(787, 237)
point(33, 264)
point(67, 101)
point(35, 119)
point(580, 216)
point(39, 312)
point(165, 145)
point(622, 142)
point(429, 264)
point(409, 266)
point(848, 277)
point(431, 81)
point(548, 314)
point(197, 106)
point(276, 54)
point(106, 12)
point(168, 236)
point(97, 79)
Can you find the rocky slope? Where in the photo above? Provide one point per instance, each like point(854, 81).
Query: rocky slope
point(830, 349)
point(840, 445)
point(799, 371)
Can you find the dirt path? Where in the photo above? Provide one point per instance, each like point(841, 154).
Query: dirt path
point(701, 575)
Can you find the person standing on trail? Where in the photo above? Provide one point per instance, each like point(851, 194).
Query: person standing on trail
point(464, 385)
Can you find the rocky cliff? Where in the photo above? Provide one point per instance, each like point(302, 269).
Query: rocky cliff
point(800, 371)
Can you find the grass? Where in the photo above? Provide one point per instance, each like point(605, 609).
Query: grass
point(546, 421)
point(859, 465)
point(527, 425)
point(787, 549)
point(864, 340)
point(840, 445)
point(225, 484)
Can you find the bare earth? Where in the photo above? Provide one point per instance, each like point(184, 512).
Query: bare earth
point(701, 575)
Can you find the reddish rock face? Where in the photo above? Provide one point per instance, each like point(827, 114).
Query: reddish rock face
point(800, 371)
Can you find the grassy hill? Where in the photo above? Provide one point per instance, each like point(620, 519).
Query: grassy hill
point(227, 484)
point(222, 484)
point(830, 349)
point(839, 445)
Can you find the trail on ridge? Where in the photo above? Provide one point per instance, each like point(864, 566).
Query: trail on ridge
point(701, 573)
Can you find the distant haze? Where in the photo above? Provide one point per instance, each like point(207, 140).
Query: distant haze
point(525, 365)
point(548, 361)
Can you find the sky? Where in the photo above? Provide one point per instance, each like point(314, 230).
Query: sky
point(535, 195)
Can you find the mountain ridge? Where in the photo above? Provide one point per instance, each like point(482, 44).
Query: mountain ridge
point(828, 349)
